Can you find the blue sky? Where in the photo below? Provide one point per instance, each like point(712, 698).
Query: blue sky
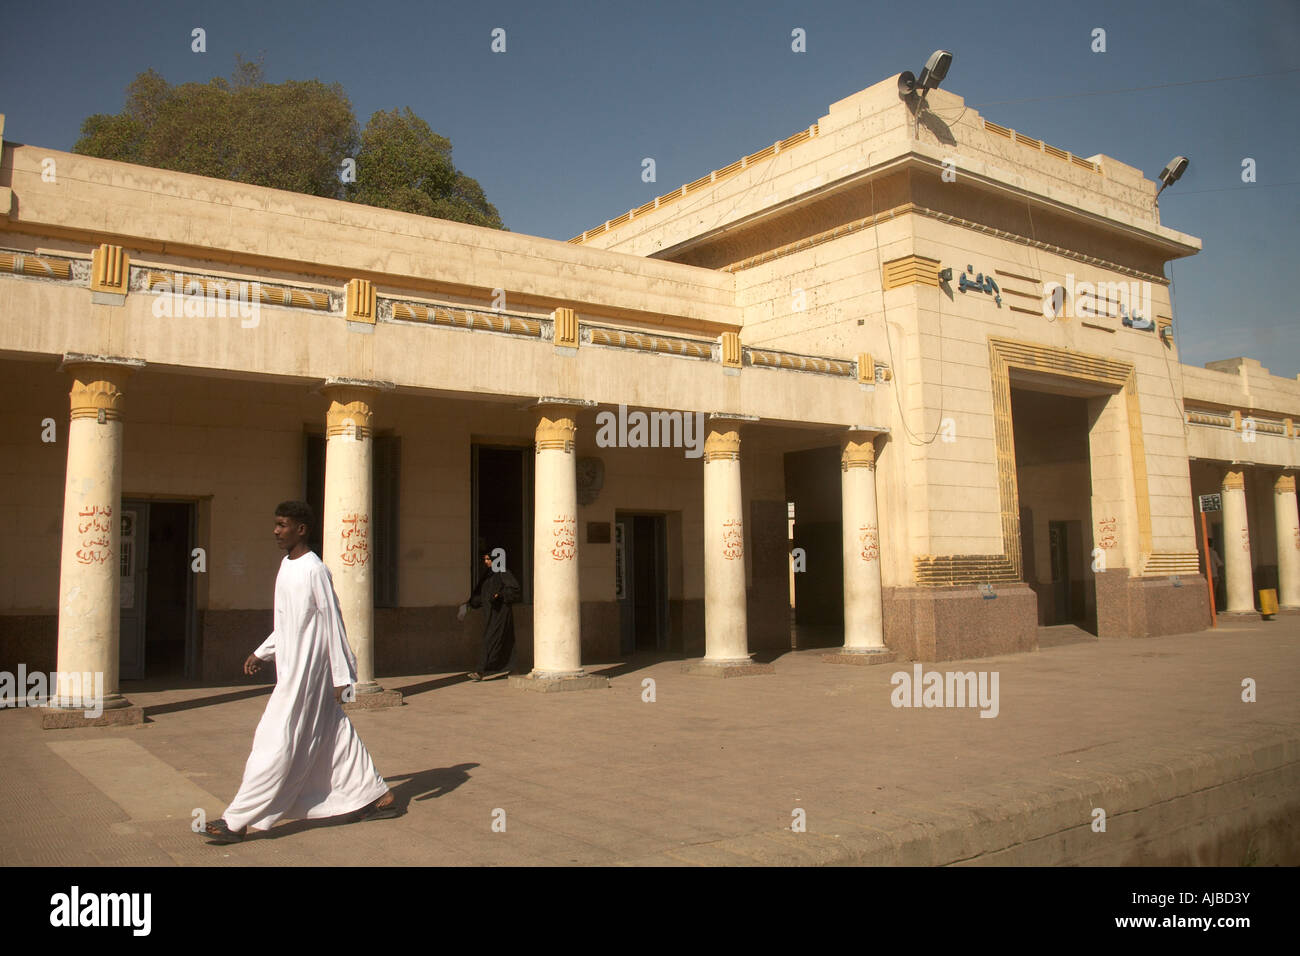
point(556, 127)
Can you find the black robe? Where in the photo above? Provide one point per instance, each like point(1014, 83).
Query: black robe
point(499, 629)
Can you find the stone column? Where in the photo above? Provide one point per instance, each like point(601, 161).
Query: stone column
point(1236, 544)
point(90, 562)
point(725, 619)
point(726, 643)
point(346, 527)
point(557, 607)
point(863, 618)
point(1287, 522)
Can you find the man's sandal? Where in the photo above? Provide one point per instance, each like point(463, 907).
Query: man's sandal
point(220, 832)
point(376, 812)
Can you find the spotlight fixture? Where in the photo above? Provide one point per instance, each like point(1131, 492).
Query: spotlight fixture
point(932, 74)
point(1171, 173)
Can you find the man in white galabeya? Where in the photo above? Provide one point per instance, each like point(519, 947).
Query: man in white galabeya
point(307, 759)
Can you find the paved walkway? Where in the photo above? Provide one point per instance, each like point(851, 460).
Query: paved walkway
point(712, 771)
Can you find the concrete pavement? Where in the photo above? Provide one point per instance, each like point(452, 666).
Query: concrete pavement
point(1152, 731)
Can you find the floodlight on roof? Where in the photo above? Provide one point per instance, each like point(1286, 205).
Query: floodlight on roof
point(932, 74)
point(1173, 170)
point(935, 69)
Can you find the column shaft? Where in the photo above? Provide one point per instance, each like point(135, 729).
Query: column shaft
point(725, 621)
point(1236, 544)
point(1287, 522)
point(557, 632)
point(346, 524)
point(89, 567)
point(863, 618)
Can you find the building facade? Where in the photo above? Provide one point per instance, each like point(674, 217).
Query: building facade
point(942, 346)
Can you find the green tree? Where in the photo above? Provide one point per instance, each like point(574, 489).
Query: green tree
point(292, 135)
point(405, 165)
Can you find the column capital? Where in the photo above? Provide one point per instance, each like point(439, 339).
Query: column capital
point(857, 450)
point(1234, 480)
point(98, 385)
point(351, 410)
point(722, 442)
point(555, 428)
point(1284, 484)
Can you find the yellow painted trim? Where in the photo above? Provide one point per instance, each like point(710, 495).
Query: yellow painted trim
point(109, 270)
point(911, 270)
point(566, 328)
point(731, 352)
point(360, 301)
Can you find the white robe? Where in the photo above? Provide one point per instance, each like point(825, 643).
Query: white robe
point(307, 759)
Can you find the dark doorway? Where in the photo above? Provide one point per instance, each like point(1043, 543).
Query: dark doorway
point(641, 585)
point(1064, 543)
point(812, 485)
point(168, 589)
point(502, 485)
point(1054, 488)
point(157, 589)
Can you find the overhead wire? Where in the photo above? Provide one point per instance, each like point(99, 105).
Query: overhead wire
point(1137, 89)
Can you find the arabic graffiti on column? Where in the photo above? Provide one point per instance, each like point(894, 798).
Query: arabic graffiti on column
point(733, 539)
point(868, 538)
point(565, 534)
point(94, 526)
point(356, 540)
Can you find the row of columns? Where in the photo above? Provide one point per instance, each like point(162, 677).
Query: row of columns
point(89, 585)
point(89, 564)
point(1237, 572)
point(556, 619)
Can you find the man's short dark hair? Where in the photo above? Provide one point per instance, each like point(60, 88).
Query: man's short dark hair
point(297, 511)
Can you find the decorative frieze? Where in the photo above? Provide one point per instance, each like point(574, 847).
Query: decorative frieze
point(182, 284)
point(768, 358)
point(647, 342)
point(40, 267)
point(459, 318)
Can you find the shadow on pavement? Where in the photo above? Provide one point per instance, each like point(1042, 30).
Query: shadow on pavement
point(633, 662)
point(154, 710)
point(434, 683)
point(425, 785)
point(428, 784)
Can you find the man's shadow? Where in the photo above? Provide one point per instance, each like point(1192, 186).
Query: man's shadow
point(425, 785)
